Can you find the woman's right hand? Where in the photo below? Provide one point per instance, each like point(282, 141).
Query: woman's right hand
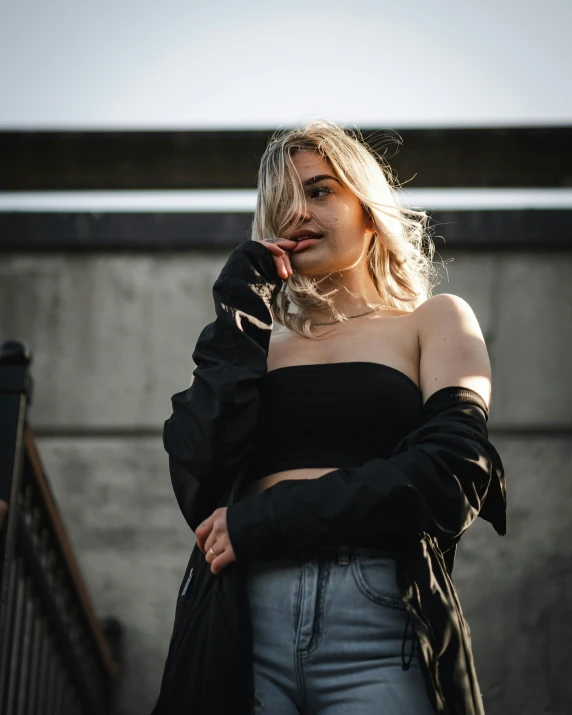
point(279, 248)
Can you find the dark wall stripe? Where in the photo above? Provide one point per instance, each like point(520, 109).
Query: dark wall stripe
point(497, 157)
point(496, 230)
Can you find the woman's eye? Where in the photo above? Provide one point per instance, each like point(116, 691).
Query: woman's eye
point(326, 189)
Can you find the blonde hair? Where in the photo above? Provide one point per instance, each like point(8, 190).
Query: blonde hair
point(403, 274)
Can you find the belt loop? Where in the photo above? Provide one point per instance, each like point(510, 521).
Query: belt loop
point(343, 554)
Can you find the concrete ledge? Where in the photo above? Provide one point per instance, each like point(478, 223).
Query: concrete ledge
point(494, 230)
point(229, 159)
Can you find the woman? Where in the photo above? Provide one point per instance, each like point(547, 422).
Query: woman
point(357, 439)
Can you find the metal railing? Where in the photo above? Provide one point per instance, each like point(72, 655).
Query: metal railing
point(55, 658)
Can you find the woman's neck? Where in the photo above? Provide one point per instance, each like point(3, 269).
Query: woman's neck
point(355, 295)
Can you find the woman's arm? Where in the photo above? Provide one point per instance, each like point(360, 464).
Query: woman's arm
point(439, 478)
point(209, 431)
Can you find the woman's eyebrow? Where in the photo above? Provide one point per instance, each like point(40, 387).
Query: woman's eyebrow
point(315, 179)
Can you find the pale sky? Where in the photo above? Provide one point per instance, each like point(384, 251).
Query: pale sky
point(121, 64)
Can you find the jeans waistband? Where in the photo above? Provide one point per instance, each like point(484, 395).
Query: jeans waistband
point(342, 552)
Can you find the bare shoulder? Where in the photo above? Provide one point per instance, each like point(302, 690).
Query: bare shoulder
point(452, 346)
point(443, 306)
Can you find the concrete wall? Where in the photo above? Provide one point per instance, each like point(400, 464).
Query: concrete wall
point(113, 337)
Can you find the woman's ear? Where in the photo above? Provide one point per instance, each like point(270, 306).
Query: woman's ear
point(370, 222)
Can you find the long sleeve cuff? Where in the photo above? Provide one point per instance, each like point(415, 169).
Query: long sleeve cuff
point(253, 533)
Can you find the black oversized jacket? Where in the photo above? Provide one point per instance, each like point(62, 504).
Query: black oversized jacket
point(440, 477)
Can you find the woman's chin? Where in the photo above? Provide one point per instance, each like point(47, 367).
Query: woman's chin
point(311, 256)
point(311, 270)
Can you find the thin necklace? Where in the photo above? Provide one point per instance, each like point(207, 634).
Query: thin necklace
point(354, 316)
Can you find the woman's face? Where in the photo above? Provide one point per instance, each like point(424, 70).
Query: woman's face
point(335, 213)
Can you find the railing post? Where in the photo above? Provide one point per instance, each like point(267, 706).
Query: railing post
point(15, 396)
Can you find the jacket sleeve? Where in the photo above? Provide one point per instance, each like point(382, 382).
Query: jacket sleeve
point(208, 434)
point(440, 477)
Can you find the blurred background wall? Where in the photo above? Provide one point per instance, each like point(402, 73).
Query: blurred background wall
point(130, 136)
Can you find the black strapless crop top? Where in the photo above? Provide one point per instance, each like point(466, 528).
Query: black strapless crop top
point(338, 414)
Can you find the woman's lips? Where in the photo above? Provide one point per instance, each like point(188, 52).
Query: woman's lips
point(305, 243)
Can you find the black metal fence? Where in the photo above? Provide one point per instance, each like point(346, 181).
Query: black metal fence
point(55, 658)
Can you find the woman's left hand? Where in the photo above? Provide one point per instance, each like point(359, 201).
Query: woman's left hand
point(213, 532)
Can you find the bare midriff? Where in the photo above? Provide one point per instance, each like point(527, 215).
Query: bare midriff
point(270, 480)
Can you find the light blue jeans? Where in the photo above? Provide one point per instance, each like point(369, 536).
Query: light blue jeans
point(328, 625)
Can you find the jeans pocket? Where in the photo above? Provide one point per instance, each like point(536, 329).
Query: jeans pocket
point(375, 577)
